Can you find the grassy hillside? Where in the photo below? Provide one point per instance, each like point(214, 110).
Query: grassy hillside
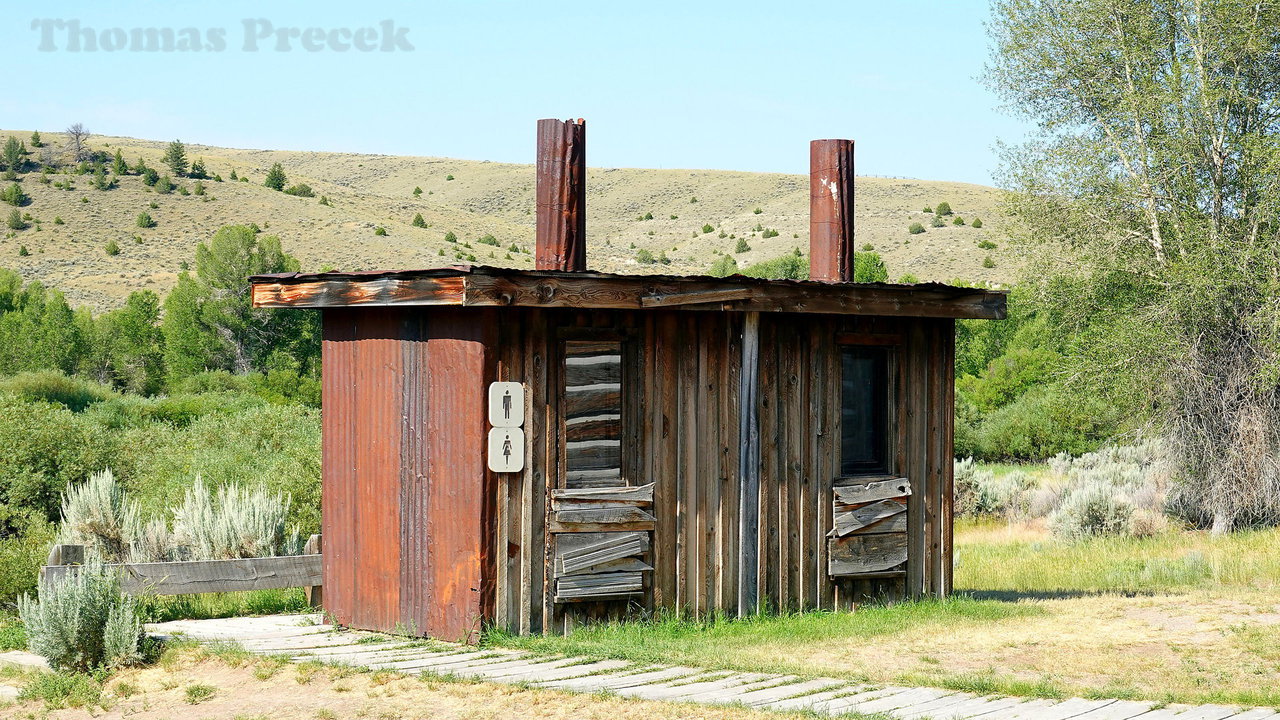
point(483, 198)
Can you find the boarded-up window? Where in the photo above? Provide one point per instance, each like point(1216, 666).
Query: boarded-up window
point(864, 409)
point(593, 414)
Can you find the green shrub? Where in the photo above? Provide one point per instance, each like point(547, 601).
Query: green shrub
point(757, 211)
point(22, 552)
point(908, 279)
point(51, 386)
point(198, 188)
point(14, 195)
point(1090, 509)
point(448, 177)
point(937, 222)
point(198, 170)
point(96, 514)
point(915, 228)
point(724, 266)
point(418, 222)
point(868, 247)
point(644, 257)
point(928, 209)
point(942, 208)
point(112, 248)
point(987, 262)
point(489, 240)
point(324, 200)
point(276, 178)
point(868, 267)
point(449, 237)
point(742, 246)
point(417, 192)
point(15, 221)
point(769, 233)
point(977, 223)
point(707, 229)
point(83, 622)
point(164, 185)
point(23, 251)
point(787, 267)
point(380, 231)
point(958, 221)
point(987, 245)
point(234, 522)
point(145, 220)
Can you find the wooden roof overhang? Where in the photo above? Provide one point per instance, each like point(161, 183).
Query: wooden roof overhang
point(482, 286)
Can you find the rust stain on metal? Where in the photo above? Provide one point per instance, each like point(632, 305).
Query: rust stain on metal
point(831, 184)
point(561, 236)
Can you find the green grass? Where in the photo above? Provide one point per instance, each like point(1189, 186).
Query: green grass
point(721, 643)
point(63, 690)
point(1170, 562)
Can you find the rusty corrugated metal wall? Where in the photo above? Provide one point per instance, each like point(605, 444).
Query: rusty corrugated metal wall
point(406, 493)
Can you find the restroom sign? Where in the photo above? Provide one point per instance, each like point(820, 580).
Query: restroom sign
point(506, 404)
point(506, 449)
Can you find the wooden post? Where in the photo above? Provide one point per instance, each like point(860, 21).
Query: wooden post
point(61, 555)
point(561, 237)
point(831, 182)
point(315, 593)
point(749, 468)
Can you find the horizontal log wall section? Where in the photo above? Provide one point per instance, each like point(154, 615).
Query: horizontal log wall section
point(681, 394)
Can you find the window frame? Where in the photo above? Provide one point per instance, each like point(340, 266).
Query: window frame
point(891, 344)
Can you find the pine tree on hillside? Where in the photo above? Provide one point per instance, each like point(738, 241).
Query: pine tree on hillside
point(176, 158)
point(119, 166)
point(36, 142)
point(14, 154)
point(276, 178)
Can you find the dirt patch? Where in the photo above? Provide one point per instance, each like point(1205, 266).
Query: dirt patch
point(262, 689)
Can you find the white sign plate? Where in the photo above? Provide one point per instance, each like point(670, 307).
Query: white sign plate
point(506, 449)
point(506, 404)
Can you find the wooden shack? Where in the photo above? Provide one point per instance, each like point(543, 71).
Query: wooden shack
point(701, 444)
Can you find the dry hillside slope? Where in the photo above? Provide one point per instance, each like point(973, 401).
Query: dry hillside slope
point(482, 198)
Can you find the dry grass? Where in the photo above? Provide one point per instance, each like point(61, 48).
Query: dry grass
point(367, 191)
point(237, 692)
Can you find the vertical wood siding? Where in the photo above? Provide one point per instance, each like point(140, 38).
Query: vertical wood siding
point(418, 532)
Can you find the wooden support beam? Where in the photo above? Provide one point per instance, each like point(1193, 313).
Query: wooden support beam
point(749, 468)
point(561, 235)
point(315, 593)
point(831, 182)
point(206, 576)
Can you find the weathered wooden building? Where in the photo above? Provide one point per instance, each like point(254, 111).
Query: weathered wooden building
point(707, 444)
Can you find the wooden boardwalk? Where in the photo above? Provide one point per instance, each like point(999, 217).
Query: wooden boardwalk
point(302, 638)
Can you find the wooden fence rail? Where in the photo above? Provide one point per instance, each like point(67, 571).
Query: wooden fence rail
point(202, 576)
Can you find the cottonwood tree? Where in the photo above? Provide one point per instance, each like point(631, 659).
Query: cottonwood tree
point(1153, 189)
point(210, 323)
point(77, 142)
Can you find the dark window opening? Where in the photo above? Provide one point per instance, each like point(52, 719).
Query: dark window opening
point(864, 410)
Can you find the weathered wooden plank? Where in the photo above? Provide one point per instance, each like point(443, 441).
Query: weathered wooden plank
point(749, 468)
point(205, 576)
point(571, 561)
point(872, 491)
point(878, 516)
point(589, 400)
point(374, 291)
point(571, 588)
point(695, 297)
point(593, 369)
point(603, 516)
point(858, 554)
point(593, 479)
point(660, 447)
point(641, 495)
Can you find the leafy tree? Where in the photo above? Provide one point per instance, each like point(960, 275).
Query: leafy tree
point(175, 158)
point(209, 322)
point(132, 344)
point(276, 178)
point(1154, 189)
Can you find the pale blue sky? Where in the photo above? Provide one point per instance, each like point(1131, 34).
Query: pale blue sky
point(727, 85)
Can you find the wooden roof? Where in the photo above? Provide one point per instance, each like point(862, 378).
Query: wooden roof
point(482, 286)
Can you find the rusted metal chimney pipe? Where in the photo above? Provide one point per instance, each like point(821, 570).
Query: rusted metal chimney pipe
point(561, 238)
point(831, 210)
